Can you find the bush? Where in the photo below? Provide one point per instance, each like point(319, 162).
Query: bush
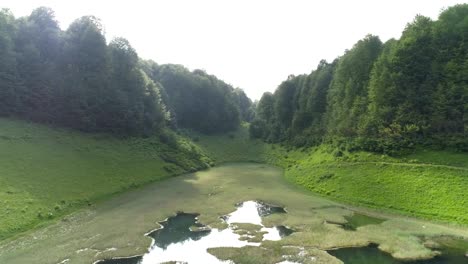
point(168, 138)
point(256, 129)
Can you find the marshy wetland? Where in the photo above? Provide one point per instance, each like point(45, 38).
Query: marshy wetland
point(184, 239)
point(194, 205)
point(107, 157)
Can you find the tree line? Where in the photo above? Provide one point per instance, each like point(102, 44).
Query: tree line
point(378, 96)
point(74, 78)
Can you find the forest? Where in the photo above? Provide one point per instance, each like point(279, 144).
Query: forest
point(380, 97)
point(110, 158)
point(75, 79)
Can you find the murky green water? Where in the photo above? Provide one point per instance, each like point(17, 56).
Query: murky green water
point(177, 229)
point(357, 220)
point(183, 239)
point(131, 260)
point(121, 226)
point(453, 250)
point(372, 255)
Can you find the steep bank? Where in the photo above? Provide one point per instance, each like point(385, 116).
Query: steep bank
point(46, 172)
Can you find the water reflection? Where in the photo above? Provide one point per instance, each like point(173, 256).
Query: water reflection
point(177, 229)
point(251, 212)
point(372, 255)
point(356, 220)
point(176, 241)
point(284, 231)
point(130, 260)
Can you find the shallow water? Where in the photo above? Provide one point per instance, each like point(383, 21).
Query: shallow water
point(176, 241)
point(372, 255)
point(356, 220)
point(116, 227)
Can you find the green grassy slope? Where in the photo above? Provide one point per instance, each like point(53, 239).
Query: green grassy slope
point(428, 183)
point(46, 172)
point(238, 146)
point(421, 187)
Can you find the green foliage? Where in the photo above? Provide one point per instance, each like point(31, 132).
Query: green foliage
point(348, 94)
point(380, 97)
point(198, 100)
point(394, 186)
point(264, 125)
point(75, 79)
point(9, 83)
point(46, 173)
point(425, 182)
point(246, 107)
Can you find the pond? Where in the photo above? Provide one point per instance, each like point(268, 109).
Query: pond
point(371, 255)
point(357, 220)
point(125, 225)
point(183, 239)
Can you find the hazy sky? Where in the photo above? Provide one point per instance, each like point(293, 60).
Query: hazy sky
point(252, 44)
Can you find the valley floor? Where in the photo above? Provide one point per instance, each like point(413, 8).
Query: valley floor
point(430, 184)
point(48, 173)
point(116, 227)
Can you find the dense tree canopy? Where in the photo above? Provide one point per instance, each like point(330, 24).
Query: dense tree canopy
point(75, 78)
point(381, 96)
point(9, 81)
point(348, 94)
point(198, 100)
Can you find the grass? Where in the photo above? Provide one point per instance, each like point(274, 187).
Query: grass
point(425, 184)
point(430, 184)
point(249, 232)
point(272, 254)
point(237, 146)
point(119, 223)
point(46, 173)
point(442, 157)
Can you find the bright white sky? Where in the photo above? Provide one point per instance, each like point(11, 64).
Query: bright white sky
point(251, 44)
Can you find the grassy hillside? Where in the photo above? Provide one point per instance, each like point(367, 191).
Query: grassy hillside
point(238, 146)
point(46, 172)
point(428, 183)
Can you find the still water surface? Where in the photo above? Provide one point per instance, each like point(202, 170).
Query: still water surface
point(372, 255)
point(184, 240)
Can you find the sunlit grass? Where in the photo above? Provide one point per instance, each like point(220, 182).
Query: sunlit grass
point(427, 183)
point(46, 173)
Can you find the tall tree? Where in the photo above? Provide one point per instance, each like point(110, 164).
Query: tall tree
point(265, 124)
point(86, 69)
point(451, 65)
point(197, 100)
point(348, 95)
point(9, 83)
point(312, 101)
point(412, 67)
point(131, 103)
point(38, 46)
